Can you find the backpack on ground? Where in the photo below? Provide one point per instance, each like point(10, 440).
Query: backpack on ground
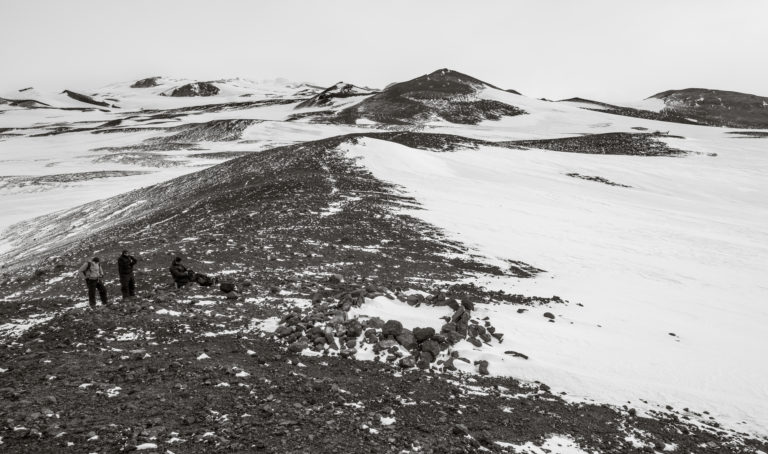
point(203, 280)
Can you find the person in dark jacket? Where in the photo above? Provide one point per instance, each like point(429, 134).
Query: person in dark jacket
point(93, 279)
point(181, 275)
point(125, 265)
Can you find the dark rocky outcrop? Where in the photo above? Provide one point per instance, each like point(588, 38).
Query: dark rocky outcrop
point(196, 89)
point(717, 107)
point(146, 83)
point(86, 99)
point(339, 90)
point(445, 94)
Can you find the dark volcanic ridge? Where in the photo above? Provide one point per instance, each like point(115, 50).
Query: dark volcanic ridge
point(615, 143)
point(664, 115)
point(86, 99)
point(717, 107)
point(46, 181)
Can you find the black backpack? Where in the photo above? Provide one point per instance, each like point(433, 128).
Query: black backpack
point(203, 280)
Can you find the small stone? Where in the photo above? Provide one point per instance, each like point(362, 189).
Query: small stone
point(298, 346)
point(549, 315)
point(460, 430)
point(407, 362)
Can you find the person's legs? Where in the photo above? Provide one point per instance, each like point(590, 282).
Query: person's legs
point(91, 283)
point(125, 284)
point(132, 286)
point(102, 293)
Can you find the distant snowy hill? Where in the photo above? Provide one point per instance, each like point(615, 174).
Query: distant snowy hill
point(717, 107)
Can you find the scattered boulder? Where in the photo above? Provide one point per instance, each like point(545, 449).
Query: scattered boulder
point(432, 347)
point(423, 334)
point(482, 367)
point(227, 287)
point(298, 346)
point(407, 339)
point(391, 328)
point(425, 358)
point(354, 328)
point(460, 430)
point(549, 315)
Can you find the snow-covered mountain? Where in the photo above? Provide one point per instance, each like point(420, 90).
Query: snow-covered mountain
point(611, 257)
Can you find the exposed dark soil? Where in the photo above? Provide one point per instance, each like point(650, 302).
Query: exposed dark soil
point(617, 143)
point(49, 180)
point(216, 130)
point(28, 103)
point(750, 134)
point(86, 99)
point(664, 115)
point(597, 179)
point(220, 155)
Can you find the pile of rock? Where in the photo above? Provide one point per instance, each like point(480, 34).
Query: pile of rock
point(325, 327)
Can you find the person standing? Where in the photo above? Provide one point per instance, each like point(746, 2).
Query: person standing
point(125, 265)
point(93, 279)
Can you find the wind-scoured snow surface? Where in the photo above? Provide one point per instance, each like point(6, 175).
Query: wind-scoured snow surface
point(671, 272)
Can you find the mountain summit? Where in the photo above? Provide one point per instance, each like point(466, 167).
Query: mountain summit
point(443, 94)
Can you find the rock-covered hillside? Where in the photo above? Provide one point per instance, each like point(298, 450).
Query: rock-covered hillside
point(443, 94)
point(717, 107)
point(304, 238)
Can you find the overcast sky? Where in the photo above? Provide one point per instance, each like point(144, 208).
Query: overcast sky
point(604, 49)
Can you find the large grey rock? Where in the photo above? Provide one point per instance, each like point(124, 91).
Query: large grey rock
point(423, 334)
point(407, 339)
point(392, 328)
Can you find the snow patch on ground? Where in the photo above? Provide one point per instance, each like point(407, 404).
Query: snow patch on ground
point(684, 252)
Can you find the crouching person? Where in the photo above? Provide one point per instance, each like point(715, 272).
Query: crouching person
point(93, 279)
point(181, 275)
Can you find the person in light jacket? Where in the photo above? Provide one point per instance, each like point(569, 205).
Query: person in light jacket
point(93, 279)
